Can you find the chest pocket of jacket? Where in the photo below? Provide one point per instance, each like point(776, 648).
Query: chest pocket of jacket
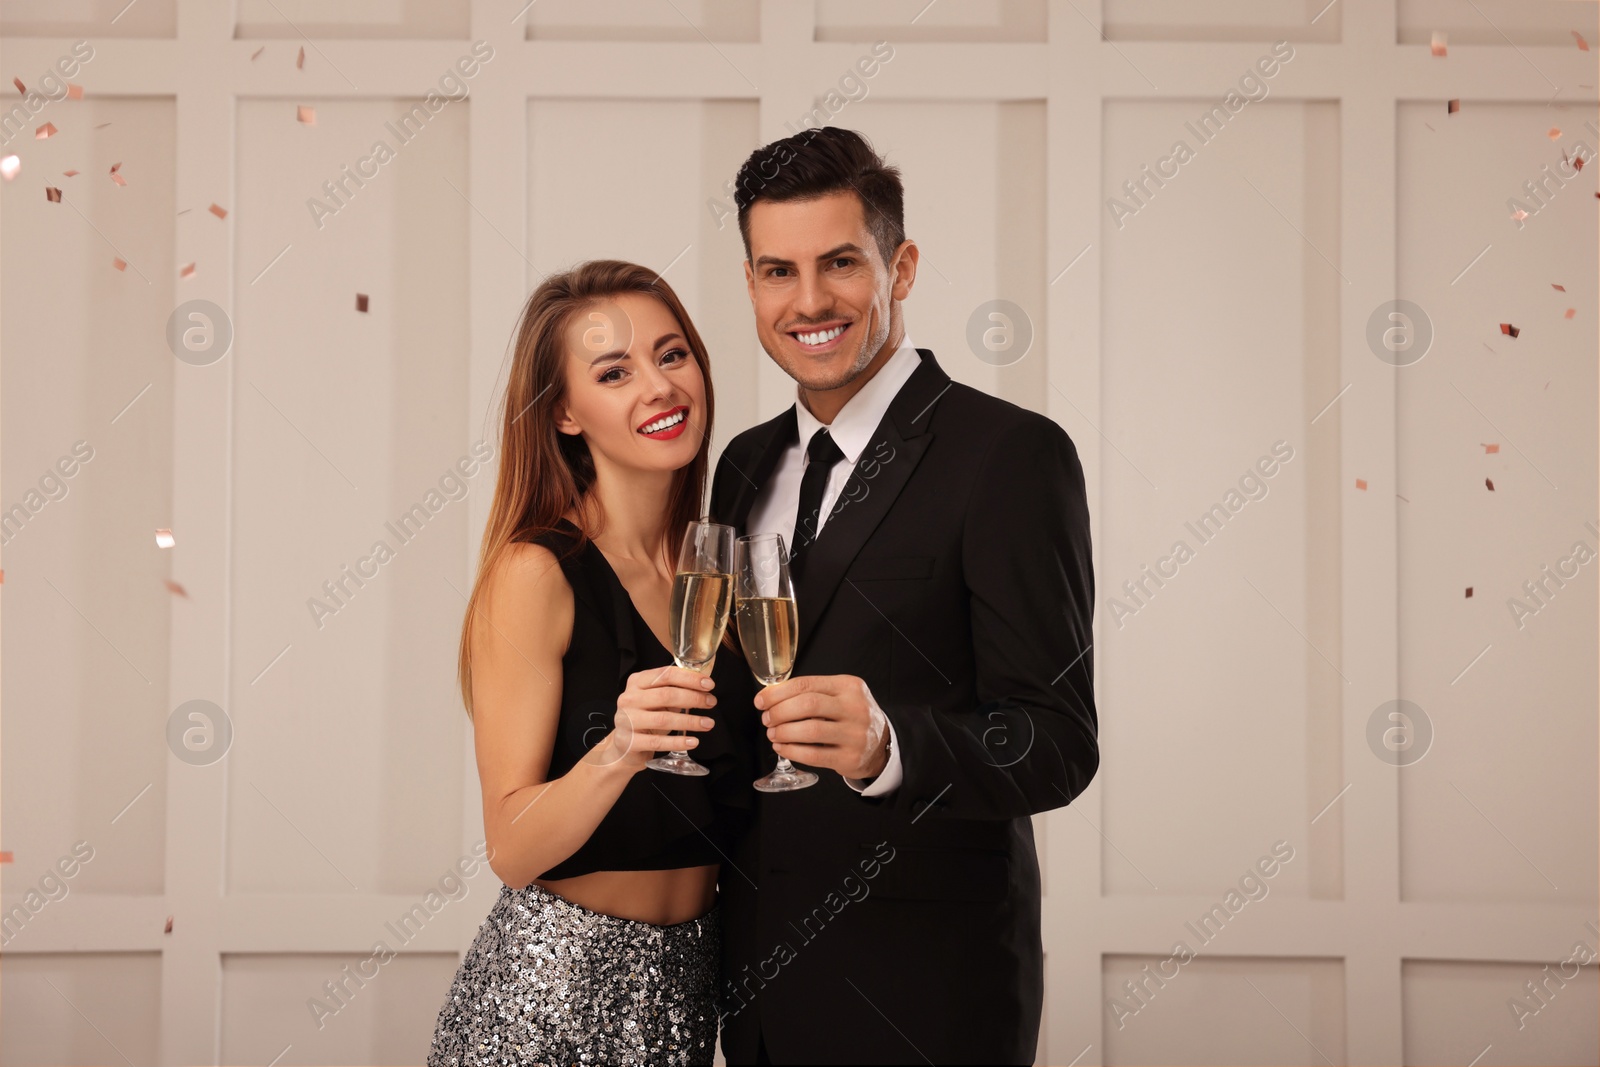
point(889, 568)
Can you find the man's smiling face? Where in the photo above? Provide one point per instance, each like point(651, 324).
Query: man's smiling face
point(825, 301)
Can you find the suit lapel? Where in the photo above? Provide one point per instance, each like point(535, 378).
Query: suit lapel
point(881, 472)
point(783, 431)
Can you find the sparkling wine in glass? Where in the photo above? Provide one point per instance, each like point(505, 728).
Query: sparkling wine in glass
point(769, 631)
point(702, 592)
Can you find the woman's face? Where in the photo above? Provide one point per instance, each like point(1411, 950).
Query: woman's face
point(629, 370)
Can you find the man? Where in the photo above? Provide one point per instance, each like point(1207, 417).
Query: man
point(941, 562)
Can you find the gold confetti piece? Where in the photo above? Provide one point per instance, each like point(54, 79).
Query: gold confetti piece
point(45, 132)
point(300, 60)
point(1570, 312)
point(1453, 106)
point(74, 92)
point(219, 211)
point(168, 930)
point(1469, 591)
point(187, 271)
point(1490, 450)
point(119, 263)
point(52, 194)
point(1558, 285)
point(1509, 330)
point(1361, 483)
point(1490, 483)
point(1440, 45)
point(1582, 44)
point(70, 173)
point(23, 89)
point(307, 115)
point(1555, 132)
point(361, 302)
point(175, 589)
point(257, 52)
point(164, 539)
point(10, 166)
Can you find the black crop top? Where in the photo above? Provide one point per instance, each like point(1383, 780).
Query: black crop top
point(660, 821)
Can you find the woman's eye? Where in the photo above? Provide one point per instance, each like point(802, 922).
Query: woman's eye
point(679, 353)
point(607, 376)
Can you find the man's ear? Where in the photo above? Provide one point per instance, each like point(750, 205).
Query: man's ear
point(750, 281)
point(903, 271)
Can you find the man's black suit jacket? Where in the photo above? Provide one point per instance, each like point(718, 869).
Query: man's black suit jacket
point(954, 577)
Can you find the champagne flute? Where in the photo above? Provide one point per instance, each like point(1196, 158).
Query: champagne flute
point(702, 593)
point(768, 624)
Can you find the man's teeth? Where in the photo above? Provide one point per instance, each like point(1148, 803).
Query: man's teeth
point(820, 337)
point(664, 424)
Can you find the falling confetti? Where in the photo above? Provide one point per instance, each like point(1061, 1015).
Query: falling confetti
point(300, 60)
point(1570, 312)
point(187, 271)
point(23, 89)
point(257, 52)
point(219, 211)
point(9, 167)
point(175, 589)
point(1582, 44)
point(1440, 47)
point(52, 194)
point(307, 115)
point(1406, 499)
point(74, 92)
point(119, 263)
point(46, 131)
point(1361, 483)
point(70, 173)
point(119, 179)
point(1453, 106)
point(1509, 330)
point(1520, 214)
point(1558, 285)
point(1490, 483)
point(5, 857)
point(1490, 450)
point(361, 302)
point(168, 930)
point(1555, 133)
point(164, 539)
point(1469, 591)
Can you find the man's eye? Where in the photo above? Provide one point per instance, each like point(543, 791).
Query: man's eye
point(844, 261)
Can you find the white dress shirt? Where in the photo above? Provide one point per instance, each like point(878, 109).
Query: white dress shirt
point(777, 505)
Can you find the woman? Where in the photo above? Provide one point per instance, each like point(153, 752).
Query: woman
point(602, 946)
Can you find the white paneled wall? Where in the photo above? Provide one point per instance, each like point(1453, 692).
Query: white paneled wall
point(1178, 338)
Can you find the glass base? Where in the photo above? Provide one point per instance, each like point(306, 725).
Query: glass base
point(677, 763)
point(783, 781)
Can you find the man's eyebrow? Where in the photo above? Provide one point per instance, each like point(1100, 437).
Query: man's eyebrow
point(839, 250)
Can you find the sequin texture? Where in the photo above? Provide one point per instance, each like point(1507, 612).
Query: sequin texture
point(547, 981)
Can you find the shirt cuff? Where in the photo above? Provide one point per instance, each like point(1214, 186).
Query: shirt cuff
point(886, 782)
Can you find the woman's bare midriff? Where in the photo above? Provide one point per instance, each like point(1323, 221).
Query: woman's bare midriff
point(661, 898)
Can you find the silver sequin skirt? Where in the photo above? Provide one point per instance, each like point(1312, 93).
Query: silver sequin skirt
point(549, 982)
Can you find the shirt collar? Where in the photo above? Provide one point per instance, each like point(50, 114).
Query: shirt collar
point(861, 414)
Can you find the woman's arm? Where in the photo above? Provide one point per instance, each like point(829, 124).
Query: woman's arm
point(518, 640)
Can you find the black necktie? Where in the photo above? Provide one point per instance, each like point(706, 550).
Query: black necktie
point(821, 455)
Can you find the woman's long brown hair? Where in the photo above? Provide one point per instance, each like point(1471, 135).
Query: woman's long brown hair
point(543, 472)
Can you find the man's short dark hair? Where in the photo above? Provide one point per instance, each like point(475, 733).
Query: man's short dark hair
point(815, 163)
